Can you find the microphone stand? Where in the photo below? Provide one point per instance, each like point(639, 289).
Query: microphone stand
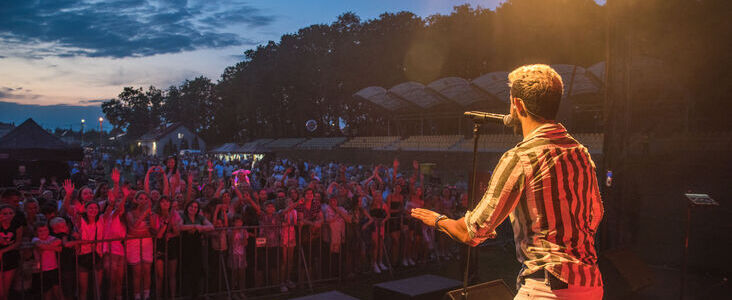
point(471, 203)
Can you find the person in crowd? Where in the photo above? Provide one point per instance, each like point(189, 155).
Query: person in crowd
point(336, 217)
point(166, 227)
point(194, 224)
point(11, 235)
point(237, 251)
point(415, 229)
point(310, 216)
point(173, 174)
point(91, 229)
point(46, 248)
point(395, 203)
point(289, 220)
point(75, 203)
point(155, 194)
point(268, 261)
point(60, 230)
point(250, 217)
point(215, 211)
point(139, 244)
point(22, 180)
point(115, 229)
point(380, 212)
point(361, 239)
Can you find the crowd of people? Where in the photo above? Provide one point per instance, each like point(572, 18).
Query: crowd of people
point(186, 225)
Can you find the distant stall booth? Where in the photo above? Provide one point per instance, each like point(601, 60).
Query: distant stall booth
point(41, 153)
point(252, 151)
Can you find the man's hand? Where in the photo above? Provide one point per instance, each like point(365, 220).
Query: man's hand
point(427, 216)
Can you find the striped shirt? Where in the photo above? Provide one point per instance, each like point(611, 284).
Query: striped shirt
point(548, 187)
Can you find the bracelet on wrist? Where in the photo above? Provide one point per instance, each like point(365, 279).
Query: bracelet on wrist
point(438, 219)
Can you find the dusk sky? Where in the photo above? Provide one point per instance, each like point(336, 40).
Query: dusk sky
point(84, 52)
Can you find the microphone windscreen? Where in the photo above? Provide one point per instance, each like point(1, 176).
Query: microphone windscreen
point(508, 120)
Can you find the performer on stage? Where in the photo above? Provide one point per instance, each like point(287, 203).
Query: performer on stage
point(547, 185)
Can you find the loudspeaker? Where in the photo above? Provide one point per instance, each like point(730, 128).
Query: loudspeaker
point(623, 272)
point(492, 290)
point(425, 287)
point(332, 295)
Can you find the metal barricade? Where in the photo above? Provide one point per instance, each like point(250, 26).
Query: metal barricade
point(315, 255)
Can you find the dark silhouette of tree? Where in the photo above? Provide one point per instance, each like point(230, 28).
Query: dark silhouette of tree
point(135, 110)
point(313, 73)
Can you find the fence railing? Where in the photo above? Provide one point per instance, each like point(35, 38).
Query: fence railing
point(220, 262)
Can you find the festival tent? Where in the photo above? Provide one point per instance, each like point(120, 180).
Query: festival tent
point(43, 154)
point(30, 142)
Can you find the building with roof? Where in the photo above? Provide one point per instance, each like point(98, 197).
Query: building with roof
point(177, 135)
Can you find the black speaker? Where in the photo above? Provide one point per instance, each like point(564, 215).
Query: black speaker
point(492, 290)
point(624, 273)
point(424, 287)
point(332, 295)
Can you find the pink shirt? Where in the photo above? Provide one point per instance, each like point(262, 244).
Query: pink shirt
point(45, 259)
point(90, 233)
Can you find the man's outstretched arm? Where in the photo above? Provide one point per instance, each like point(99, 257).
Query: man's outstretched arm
point(456, 229)
point(504, 190)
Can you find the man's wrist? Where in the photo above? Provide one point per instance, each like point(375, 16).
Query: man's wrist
point(438, 219)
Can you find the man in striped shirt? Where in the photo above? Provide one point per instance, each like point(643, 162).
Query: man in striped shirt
point(548, 187)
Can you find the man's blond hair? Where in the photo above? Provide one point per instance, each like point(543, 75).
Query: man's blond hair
point(540, 87)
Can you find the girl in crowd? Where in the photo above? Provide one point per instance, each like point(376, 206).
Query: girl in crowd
point(267, 261)
point(140, 245)
point(155, 194)
point(173, 175)
point(289, 220)
point(362, 236)
point(74, 203)
point(91, 228)
point(11, 234)
point(115, 228)
point(337, 217)
point(395, 203)
point(414, 234)
point(310, 219)
point(380, 212)
point(216, 212)
point(192, 249)
point(237, 251)
point(166, 227)
point(250, 217)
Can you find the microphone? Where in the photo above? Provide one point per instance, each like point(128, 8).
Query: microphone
point(486, 117)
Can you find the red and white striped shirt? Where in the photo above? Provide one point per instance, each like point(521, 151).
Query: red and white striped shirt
point(547, 184)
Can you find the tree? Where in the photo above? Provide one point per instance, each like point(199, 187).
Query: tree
point(196, 144)
point(192, 104)
point(135, 110)
point(183, 144)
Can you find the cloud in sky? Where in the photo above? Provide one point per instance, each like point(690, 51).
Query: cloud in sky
point(122, 28)
point(78, 51)
point(17, 93)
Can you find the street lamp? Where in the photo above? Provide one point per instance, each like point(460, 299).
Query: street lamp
point(83, 122)
point(100, 132)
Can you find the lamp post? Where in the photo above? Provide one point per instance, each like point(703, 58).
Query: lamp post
point(100, 132)
point(83, 122)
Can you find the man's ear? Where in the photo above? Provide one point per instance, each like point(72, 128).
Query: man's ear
point(518, 105)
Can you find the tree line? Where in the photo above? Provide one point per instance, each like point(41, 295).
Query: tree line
point(313, 73)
